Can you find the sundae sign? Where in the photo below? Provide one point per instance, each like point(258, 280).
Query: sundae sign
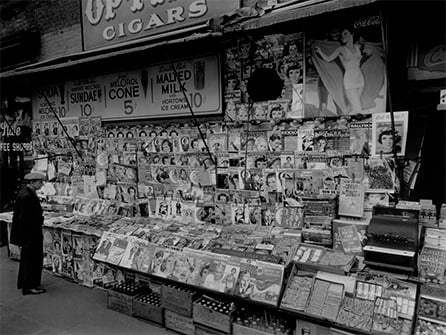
point(107, 22)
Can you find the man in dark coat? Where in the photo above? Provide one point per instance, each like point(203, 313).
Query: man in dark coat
point(26, 232)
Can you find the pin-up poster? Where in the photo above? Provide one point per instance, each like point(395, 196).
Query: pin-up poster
point(345, 66)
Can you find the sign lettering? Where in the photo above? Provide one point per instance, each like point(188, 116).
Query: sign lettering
point(114, 21)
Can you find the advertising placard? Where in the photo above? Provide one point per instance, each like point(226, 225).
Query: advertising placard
point(110, 22)
point(136, 94)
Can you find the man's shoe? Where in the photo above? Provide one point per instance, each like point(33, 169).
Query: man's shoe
point(33, 291)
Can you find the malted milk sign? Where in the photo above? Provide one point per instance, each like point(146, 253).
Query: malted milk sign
point(145, 93)
point(106, 22)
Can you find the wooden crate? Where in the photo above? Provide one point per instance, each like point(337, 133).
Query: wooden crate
point(238, 329)
point(147, 310)
point(212, 316)
point(179, 323)
point(120, 302)
point(203, 330)
point(178, 299)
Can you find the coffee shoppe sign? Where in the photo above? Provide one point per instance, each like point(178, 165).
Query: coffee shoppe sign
point(106, 22)
point(137, 94)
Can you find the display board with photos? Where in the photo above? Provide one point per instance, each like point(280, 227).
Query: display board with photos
point(336, 68)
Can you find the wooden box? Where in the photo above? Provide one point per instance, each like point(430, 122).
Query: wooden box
point(177, 299)
point(120, 302)
point(120, 297)
point(238, 329)
point(213, 313)
point(203, 330)
point(179, 323)
point(148, 307)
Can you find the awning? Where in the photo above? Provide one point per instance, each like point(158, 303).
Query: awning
point(294, 10)
point(103, 53)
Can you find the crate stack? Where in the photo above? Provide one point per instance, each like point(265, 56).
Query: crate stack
point(178, 306)
point(212, 316)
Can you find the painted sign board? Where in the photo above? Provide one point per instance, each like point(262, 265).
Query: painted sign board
point(144, 93)
point(107, 22)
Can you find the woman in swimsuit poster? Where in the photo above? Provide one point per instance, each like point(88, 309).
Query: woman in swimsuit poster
point(349, 67)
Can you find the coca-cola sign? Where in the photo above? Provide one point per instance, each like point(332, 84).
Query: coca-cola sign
point(367, 21)
point(436, 56)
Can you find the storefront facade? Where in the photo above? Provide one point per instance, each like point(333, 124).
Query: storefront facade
point(296, 117)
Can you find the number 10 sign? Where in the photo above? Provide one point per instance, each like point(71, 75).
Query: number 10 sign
point(146, 93)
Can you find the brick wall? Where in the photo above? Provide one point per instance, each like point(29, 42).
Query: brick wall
point(58, 22)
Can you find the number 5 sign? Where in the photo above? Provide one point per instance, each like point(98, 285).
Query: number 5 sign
point(138, 94)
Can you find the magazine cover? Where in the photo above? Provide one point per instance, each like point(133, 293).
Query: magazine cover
point(84, 127)
point(275, 140)
point(67, 244)
point(356, 46)
point(138, 255)
point(117, 249)
point(332, 140)
point(55, 128)
point(222, 274)
point(351, 199)
point(67, 267)
point(104, 246)
point(56, 263)
point(360, 137)
point(342, 230)
point(259, 111)
point(375, 199)
point(78, 244)
point(57, 242)
point(37, 131)
point(217, 142)
point(71, 125)
point(163, 262)
point(305, 137)
point(277, 109)
point(379, 175)
point(259, 281)
point(382, 139)
point(293, 217)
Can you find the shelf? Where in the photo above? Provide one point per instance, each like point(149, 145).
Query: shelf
point(443, 323)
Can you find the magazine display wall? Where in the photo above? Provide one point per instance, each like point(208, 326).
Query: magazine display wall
point(291, 179)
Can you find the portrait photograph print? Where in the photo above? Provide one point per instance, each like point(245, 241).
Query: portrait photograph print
point(382, 137)
point(345, 72)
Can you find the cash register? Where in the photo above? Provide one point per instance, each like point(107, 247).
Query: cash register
point(392, 239)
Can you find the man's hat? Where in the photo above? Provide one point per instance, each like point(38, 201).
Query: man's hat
point(34, 176)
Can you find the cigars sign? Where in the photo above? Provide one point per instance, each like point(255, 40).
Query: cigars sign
point(106, 22)
point(137, 94)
